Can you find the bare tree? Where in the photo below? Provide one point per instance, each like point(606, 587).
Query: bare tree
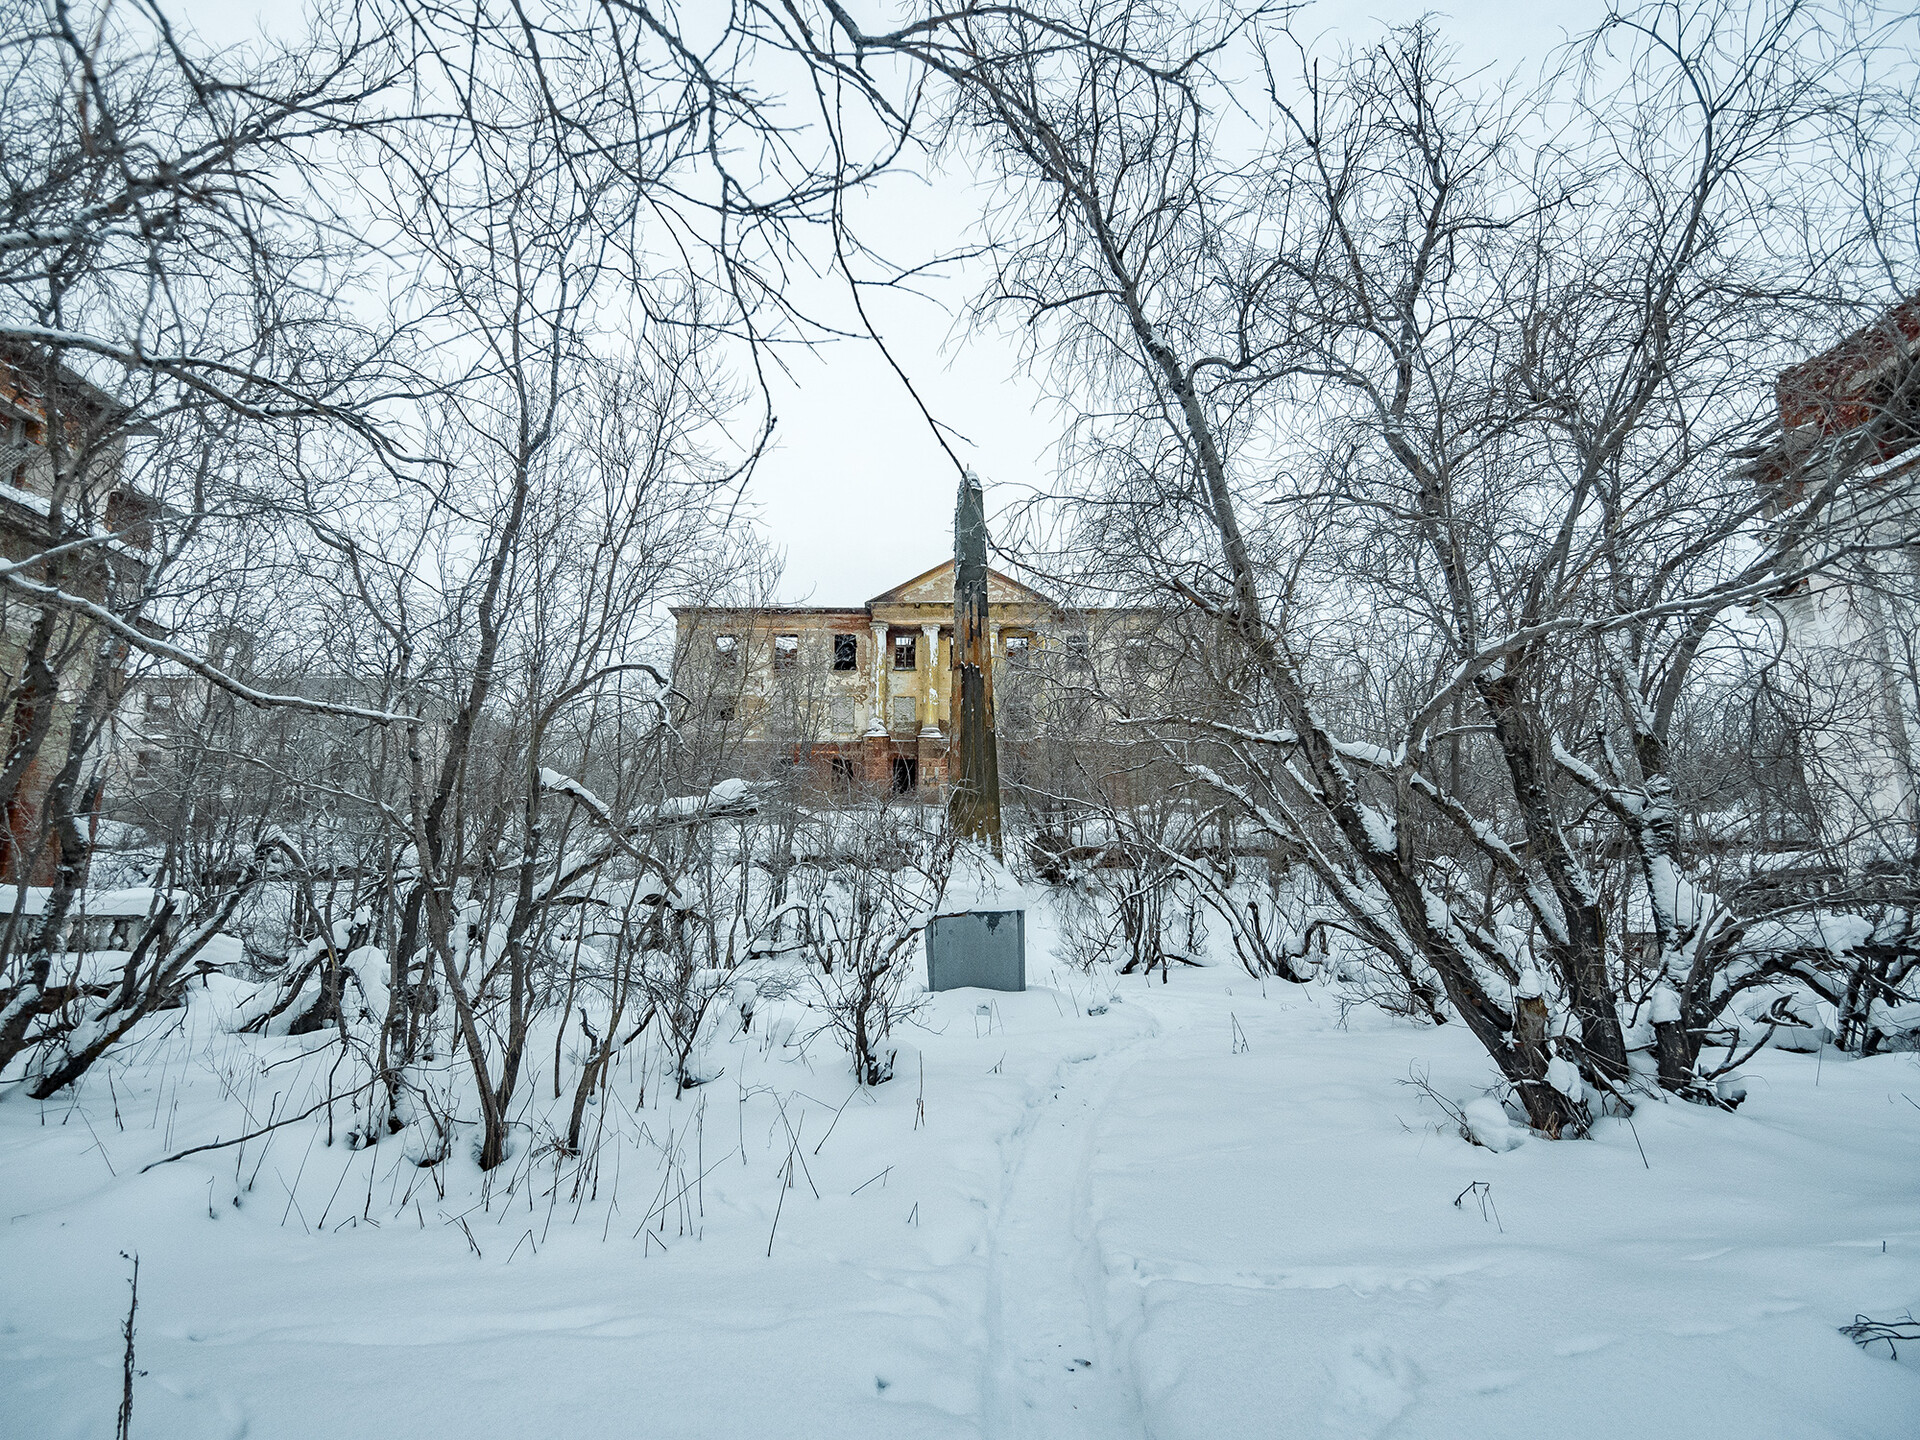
point(1432, 402)
point(188, 249)
point(863, 905)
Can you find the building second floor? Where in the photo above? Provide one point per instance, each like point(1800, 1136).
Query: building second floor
point(840, 674)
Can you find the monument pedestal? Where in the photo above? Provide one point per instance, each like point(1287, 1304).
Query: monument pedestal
point(978, 935)
point(986, 949)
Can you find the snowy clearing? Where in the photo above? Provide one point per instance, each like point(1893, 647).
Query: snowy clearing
point(1207, 1211)
point(1435, 574)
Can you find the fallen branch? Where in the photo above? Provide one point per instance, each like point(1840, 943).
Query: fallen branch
point(1864, 1332)
point(242, 1139)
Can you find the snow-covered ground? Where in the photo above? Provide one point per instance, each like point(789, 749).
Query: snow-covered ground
point(1208, 1211)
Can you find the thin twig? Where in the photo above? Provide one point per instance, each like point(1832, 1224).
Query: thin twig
point(241, 1140)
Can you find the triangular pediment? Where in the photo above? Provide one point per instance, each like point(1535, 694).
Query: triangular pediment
point(935, 587)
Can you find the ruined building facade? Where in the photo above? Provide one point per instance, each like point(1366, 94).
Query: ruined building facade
point(863, 694)
point(62, 454)
point(1850, 417)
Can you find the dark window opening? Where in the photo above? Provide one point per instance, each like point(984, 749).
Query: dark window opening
point(20, 476)
point(1019, 649)
point(1136, 654)
point(843, 772)
point(1078, 654)
point(846, 652)
point(726, 649)
point(786, 651)
point(131, 517)
point(906, 774)
point(905, 652)
point(723, 711)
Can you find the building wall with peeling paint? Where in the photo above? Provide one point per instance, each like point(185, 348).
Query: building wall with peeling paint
point(863, 693)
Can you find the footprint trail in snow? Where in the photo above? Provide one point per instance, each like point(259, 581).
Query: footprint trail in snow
point(1054, 1367)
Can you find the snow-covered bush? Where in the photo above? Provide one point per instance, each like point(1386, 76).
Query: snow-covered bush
point(862, 915)
point(63, 1011)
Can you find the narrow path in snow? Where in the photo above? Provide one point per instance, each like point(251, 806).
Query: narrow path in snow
point(1053, 1367)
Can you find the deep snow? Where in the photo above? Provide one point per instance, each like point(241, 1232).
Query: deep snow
point(1208, 1211)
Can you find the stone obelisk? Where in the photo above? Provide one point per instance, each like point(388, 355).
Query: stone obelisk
point(975, 772)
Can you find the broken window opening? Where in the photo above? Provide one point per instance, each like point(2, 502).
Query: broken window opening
point(906, 774)
point(786, 651)
point(1079, 655)
point(846, 652)
point(906, 652)
point(1019, 649)
point(843, 772)
point(726, 650)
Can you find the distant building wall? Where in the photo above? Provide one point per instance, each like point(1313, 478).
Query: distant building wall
point(863, 694)
point(1855, 631)
point(59, 434)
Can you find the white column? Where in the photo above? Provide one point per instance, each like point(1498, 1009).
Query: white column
point(878, 724)
point(930, 706)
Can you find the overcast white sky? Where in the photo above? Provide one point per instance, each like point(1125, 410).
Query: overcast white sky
point(857, 494)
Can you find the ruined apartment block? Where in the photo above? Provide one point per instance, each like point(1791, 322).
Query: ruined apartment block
point(63, 449)
point(862, 694)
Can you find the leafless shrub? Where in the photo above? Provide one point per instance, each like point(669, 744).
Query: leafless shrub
point(862, 915)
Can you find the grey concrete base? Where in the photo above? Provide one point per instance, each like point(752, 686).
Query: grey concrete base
point(986, 949)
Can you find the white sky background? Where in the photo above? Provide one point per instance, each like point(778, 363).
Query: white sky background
point(857, 493)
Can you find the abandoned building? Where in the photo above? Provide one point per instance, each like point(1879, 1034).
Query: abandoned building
point(862, 694)
point(1853, 411)
point(62, 455)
